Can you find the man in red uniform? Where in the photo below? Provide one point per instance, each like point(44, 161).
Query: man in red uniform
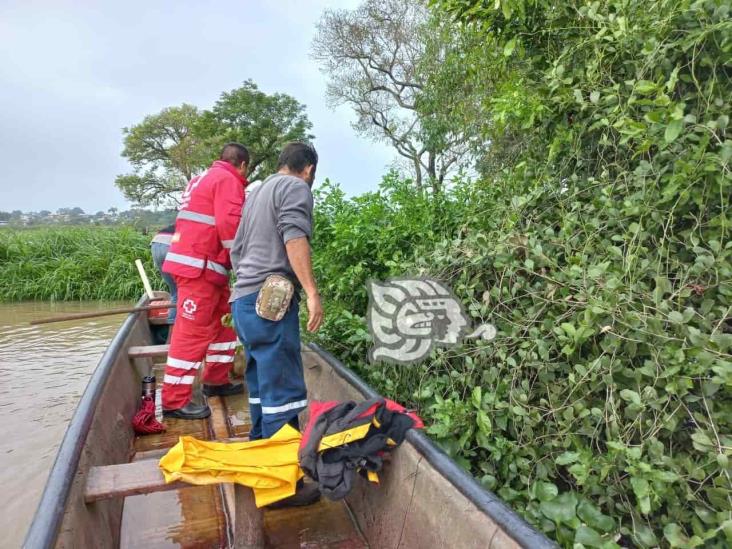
point(199, 261)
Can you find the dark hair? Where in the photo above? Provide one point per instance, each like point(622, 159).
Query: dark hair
point(297, 156)
point(235, 154)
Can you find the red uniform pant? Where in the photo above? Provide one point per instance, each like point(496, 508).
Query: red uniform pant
point(198, 335)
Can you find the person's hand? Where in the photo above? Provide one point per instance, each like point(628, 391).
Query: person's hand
point(315, 312)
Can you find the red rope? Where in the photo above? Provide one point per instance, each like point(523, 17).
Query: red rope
point(144, 422)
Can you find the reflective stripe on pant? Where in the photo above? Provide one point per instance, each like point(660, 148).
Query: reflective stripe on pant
point(274, 366)
point(198, 335)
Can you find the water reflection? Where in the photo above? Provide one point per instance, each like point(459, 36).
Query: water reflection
point(43, 372)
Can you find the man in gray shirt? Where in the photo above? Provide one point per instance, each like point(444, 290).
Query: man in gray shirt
point(274, 238)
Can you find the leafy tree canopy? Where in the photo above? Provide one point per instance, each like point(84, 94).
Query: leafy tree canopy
point(168, 148)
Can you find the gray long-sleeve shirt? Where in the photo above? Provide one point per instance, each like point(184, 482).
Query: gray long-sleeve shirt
point(278, 210)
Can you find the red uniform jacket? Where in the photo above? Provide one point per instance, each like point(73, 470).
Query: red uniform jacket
point(206, 225)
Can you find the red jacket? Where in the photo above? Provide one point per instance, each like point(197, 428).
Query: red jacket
point(207, 221)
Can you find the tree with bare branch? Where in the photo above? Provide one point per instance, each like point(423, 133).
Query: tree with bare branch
point(372, 57)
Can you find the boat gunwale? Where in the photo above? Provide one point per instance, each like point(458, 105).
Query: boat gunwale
point(508, 520)
point(44, 528)
point(46, 523)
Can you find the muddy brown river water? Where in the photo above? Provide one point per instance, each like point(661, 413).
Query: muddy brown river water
point(43, 372)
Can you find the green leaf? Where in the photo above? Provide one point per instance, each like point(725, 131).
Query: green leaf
point(566, 458)
point(615, 445)
point(642, 491)
point(587, 537)
point(665, 476)
point(688, 313)
point(506, 8)
point(484, 423)
point(725, 153)
point(675, 535)
point(580, 472)
point(718, 496)
point(701, 441)
point(727, 527)
point(595, 97)
point(673, 78)
point(593, 517)
point(676, 317)
point(673, 130)
point(477, 397)
point(630, 396)
point(509, 47)
point(597, 271)
point(545, 491)
point(561, 509)
point(644, 87)
point(645, 535)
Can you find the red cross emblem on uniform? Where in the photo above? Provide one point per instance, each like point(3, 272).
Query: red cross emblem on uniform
point(189, 306)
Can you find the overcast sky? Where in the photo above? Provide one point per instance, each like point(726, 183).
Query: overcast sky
point(73, 74)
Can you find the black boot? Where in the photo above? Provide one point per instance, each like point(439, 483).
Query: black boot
point(189, 411)
point(227, 389)
point(306, 494)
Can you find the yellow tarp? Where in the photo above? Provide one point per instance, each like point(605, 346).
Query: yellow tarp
point(269, 466)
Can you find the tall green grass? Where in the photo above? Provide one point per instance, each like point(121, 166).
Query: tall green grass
point(73, 263)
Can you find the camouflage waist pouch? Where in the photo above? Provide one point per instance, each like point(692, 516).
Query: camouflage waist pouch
point(274, 297)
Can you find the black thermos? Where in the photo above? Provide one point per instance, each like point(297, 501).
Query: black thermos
point(148, 387)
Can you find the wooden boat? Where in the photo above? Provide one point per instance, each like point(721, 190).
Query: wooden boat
point(424, 499)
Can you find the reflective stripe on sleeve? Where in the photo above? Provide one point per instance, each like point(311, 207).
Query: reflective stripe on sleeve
point(254, 400)
point(217, 267)
point(179, 380)
point(197, 217)
point(227, 244)
point(219, 358)
point(284, 407)
point(222, 346)
point(185, 260)
point(182, 364)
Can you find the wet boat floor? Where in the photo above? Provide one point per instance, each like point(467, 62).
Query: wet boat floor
point(195, 517)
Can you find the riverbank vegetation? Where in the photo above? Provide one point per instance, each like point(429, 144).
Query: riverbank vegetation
point(595, 237)
point(73, 263)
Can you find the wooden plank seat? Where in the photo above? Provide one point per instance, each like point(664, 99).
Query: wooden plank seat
point(142, 476)
point(126, 479)
point(145, 477)
point(148, 351)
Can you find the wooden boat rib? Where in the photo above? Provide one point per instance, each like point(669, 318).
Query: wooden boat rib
point(424, 500)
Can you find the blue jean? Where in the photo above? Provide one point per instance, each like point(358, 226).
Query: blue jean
point(159, 251)
point(274, 366)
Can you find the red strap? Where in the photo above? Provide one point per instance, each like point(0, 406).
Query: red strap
point(316, 409)
point(396, 407)
point(144, 422)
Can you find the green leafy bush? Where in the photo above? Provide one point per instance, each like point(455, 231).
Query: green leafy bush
point(598, 244)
